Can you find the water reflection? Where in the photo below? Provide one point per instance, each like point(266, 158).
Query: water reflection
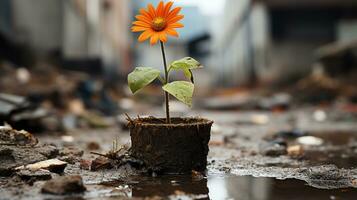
point(222, 187)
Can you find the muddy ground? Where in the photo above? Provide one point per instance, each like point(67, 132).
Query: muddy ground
point(253, 155)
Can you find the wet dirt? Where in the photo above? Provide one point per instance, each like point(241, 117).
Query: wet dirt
point(326, 171)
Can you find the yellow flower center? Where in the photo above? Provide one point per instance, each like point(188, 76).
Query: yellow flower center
point(158, 24)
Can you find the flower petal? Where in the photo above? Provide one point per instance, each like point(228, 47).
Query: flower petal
point(173, 13)
point(145, 13)
point(145, 35)
point(141, 23)
point(172, 32)
point(175, 19)
point(176, 25)
point(152, 11)
point(163, 37)
point(143, 18)
point(138, 28)
point(160, 9)
point(167, 8)
point(154, 38)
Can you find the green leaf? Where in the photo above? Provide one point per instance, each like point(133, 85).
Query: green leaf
point(141, 77)
point(182, 90)
point(188, 74)
point(185, 64)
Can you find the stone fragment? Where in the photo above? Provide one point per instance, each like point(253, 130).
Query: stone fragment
point(39, 175)
point(64, 185)
point(52, 165)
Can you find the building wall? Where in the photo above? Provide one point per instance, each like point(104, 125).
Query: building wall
point(38, 23)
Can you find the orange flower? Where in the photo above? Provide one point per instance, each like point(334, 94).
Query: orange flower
point(157, 23)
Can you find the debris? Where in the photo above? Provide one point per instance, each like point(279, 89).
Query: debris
point(22, 114)
point(64, 185)
point(274, 148)
point(310, 141)
point(295, 150)
point(20, 148)
point(52, 165)
point(100, 163)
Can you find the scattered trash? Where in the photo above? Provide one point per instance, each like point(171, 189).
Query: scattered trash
point(52, 165)
point(64, 185)
point(310, 140)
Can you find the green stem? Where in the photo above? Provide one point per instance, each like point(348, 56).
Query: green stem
point(168, 120)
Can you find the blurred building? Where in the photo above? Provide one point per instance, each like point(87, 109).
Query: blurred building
point(89, 34)
point(269, 40)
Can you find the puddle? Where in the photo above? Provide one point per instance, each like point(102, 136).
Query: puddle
point(215, 187)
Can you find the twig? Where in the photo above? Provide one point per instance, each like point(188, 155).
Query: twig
point(128, 118)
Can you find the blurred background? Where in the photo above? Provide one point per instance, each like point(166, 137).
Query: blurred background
point(262, 54)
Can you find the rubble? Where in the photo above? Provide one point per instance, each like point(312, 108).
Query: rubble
point(20, 148)
point(64, 185)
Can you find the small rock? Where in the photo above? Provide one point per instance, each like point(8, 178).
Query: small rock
point(100, 163)
point(52, 165)
point(273, 149)
point(85, 164)
point(64, 185)
point(93, 146)
point(295, 150)
point(32, 176)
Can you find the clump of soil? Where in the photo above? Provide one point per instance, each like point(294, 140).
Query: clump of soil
point(179, 147)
